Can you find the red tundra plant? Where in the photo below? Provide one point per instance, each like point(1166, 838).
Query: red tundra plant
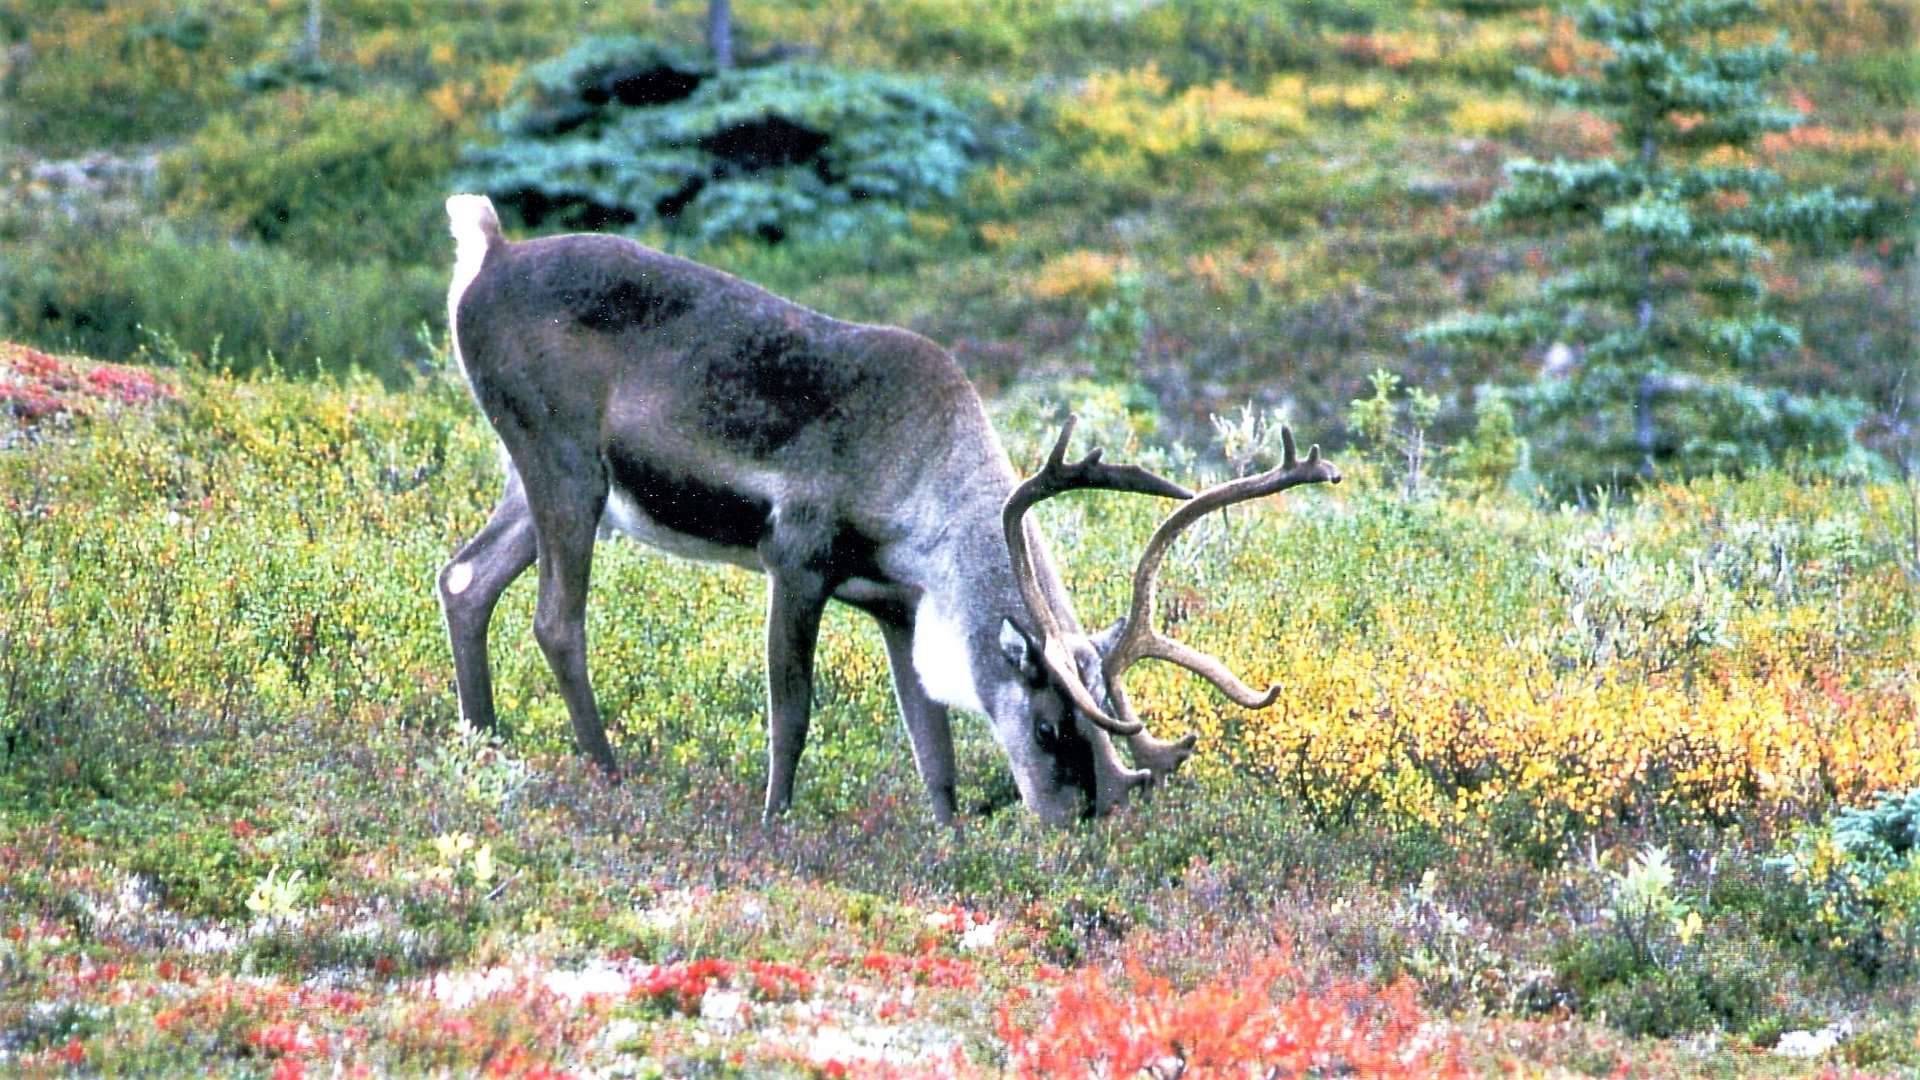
point(35, 385)
point(679, 987)
point(128, 385)
point(29, 403)
point(770, 981)
point(1250, 1026)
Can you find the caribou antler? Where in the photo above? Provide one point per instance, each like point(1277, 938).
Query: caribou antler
point(1136, 639)
point(1054, 478)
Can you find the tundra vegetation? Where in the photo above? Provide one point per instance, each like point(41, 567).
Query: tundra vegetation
point(1615, 780)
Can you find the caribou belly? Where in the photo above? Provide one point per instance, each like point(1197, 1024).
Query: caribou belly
point(625, 516)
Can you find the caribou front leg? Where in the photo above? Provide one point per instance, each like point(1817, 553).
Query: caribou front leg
point(796, 599)
point(928, 725)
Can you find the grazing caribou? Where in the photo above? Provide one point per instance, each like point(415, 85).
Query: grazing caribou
point(642, 393)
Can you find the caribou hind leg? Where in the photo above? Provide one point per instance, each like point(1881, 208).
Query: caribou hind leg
point(569, 494)
point(470, 587)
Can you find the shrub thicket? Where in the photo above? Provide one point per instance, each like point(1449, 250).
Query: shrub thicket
point(119, 74)
point(334, 178)
point(1860, 875)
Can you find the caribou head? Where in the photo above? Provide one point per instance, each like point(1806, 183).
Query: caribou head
point(1089, 669)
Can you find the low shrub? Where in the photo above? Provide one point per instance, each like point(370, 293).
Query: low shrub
point(1860, 874)
point(1657, 1003)
point(1655, 955)
point(1132, 131)
point(1223, 1027)
point(1482, 118)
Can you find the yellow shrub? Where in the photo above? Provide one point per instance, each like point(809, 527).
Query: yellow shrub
point(1128, 123)
point(104, 74)
point(1078, 275)
point(1447, 731)
point(1491, 117)
point(997, 235)
point(1348, 99)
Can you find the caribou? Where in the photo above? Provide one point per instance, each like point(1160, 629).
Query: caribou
point(638, 393)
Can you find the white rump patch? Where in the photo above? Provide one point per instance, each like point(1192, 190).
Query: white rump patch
point(943, 661)
point(469, 217)
point(459, 578)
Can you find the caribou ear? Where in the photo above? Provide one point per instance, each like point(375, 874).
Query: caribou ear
point(1103, 641)
point(1021, 652)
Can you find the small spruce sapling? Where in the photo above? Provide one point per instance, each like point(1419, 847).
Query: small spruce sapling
point(1395, 431)
point(1660, 304)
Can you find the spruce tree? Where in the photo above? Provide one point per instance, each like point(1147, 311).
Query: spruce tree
point(1659, 303)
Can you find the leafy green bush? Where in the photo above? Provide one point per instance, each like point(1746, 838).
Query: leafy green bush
point(1658, 1003)
point(336, 178)
point(237, 306)
point(621, 132)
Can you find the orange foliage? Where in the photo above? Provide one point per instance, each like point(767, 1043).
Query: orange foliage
point(1561, 50)
point(1251, 1026)
point(1820, 138)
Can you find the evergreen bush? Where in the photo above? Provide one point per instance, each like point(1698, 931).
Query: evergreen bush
point(1860, 875)
point(624, 133)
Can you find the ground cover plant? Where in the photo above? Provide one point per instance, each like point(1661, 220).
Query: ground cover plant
point(1542, 782)
point(1612, 780)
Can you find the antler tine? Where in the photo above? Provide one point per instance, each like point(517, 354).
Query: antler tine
point(1138, 640)
point(1055, 477)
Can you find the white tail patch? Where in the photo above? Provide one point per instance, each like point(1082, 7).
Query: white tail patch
point(476, 228)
